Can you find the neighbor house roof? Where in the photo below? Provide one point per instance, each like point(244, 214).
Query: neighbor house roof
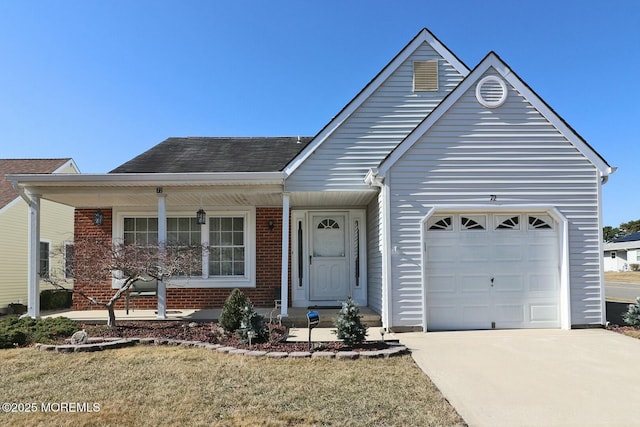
point(630, 241)
point(633, 237)
point(216, 154)
point(12, 166)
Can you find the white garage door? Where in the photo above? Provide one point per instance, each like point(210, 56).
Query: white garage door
point(494, 270)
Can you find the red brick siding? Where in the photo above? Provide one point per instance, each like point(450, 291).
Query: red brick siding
point(267, 274)
point(84, 228)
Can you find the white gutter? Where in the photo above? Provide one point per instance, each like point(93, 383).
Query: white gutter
point(20, 191)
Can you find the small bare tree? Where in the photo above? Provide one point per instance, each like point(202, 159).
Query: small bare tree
point(97, 260)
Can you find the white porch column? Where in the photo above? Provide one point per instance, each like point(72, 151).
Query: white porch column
point(33, 275)
point(162, 240)
point(285, 256)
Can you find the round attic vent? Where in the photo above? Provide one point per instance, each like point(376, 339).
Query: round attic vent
point(491, 92)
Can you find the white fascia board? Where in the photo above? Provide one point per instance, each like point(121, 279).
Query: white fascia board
point(423, 36)
point(493, 61)
point(146, 179)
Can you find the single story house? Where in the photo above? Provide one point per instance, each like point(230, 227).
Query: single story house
point(441, 197)
point(622, 254)
point(56, 229)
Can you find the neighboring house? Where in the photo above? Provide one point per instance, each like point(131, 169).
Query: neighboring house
point(56, 228)
point(440, 197)
point(622, 254)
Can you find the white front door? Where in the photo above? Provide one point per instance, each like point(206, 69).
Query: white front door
point(329, 258)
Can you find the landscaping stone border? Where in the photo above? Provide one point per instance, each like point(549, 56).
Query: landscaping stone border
point(100, 344)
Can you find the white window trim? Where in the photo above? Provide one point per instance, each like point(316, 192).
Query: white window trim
point(246, 281)
point(47, 241)
point(64, 260)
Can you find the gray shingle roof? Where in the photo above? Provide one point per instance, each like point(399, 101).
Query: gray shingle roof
point(216, 154)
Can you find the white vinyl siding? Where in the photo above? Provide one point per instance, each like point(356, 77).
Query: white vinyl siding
point(365, 138)
point(374, 255)
point(511, 152)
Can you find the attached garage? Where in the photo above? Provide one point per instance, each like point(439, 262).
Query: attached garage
point(492, 270)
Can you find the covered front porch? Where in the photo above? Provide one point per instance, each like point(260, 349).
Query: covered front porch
point(278, 229)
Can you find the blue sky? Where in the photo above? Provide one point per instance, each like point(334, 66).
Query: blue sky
point(104, 81)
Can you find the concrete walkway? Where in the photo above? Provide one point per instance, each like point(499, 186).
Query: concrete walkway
point(534, 377)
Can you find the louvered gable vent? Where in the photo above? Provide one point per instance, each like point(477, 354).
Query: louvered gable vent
point(425, 76)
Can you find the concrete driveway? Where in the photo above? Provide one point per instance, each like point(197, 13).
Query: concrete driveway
point(534, 377)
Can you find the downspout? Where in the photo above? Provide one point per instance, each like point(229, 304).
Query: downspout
point(603, 303)
point(374, 180)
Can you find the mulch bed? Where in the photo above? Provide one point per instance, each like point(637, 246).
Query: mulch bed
point(630, 331)
point(213, 334)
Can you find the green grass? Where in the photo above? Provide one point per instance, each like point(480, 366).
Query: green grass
point(148, 385)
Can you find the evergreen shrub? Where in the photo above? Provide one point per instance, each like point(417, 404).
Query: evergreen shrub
point(349, 324)
point(632, 316)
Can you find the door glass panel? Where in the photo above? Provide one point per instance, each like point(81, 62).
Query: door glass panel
point(328, 237)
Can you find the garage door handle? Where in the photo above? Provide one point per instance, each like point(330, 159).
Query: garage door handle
point(492, 279)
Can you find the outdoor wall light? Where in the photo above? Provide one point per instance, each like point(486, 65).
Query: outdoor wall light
point(201, 216)
point(98, 217)
point(270, 224)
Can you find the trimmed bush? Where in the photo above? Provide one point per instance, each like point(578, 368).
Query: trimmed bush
point(632, 316)
point(20, 332)
point(349, 325)
point(51, 299)
point(16, 308)
point(254, 322)
point(233, 310)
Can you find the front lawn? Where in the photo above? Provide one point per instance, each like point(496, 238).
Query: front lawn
point(622, 276)
point(148, 385)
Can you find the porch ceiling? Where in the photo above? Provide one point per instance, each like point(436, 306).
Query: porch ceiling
point(332, 199)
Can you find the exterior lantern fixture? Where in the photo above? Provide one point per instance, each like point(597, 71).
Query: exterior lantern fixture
point(201, 216)
point(98, 217)
point(270, 224)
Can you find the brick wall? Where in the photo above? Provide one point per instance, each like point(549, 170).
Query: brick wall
point(267, 275)
point(84, 228)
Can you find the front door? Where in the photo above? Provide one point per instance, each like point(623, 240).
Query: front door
point(329, 258)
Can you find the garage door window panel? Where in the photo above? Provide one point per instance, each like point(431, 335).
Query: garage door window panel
point(540, 222)
point(473, 223)
point(507, 222)
point(440, 223)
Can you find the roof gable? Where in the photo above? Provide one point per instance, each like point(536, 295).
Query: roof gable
point(493, 61)
point(230, 154)
point(424, 36)
point(13, 166)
